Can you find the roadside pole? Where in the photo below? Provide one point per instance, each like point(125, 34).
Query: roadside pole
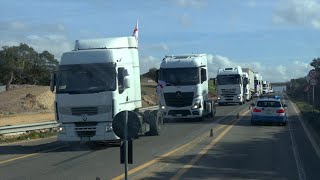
point(126, 147)
point(312, 99)
point(311, 79)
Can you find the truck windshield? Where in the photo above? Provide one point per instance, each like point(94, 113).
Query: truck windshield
point(180, 76)
point(86, 78)
point(228, 79)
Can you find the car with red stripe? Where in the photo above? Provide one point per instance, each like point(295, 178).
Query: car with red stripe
point(269, 110)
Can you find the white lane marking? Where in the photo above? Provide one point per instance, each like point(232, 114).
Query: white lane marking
point(301, 173)
point(310, 137)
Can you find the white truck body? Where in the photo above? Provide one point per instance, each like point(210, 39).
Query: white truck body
point(258, 84)
point(183, 87)
point(249, 87)
point(265, 87)
point(230, 85)
point(93, 85)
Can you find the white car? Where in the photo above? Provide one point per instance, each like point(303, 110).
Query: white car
point(269, 110)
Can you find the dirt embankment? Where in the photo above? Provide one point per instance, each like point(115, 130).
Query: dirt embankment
point(25, 104)
point(26, 99)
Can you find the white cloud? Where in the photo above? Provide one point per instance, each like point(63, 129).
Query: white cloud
point(274, 73)
point(159, 47)
point(252, 3)
point(298, 12)
point(270, 72)
point(185, 20)
point(147, 62)
point(191, 3)
point(50, 37)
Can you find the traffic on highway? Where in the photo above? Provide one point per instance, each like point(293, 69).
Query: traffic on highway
point(116, 105)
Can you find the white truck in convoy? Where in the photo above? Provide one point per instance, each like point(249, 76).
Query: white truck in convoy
point(265, 87)
point(93, 83)
point(230, 83)
point(249, 90)
point(258, 84)
point(183, 87)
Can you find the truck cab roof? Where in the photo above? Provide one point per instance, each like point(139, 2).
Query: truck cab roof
point(230, 71)
point(184, 61)
point(106, 43)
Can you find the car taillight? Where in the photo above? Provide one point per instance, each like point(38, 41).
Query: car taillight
point(256, 110)
point(280, 111)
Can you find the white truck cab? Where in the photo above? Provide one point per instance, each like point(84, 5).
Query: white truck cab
point(230, 85)
point(94, 82)
point(183, 87)
point(258, 84)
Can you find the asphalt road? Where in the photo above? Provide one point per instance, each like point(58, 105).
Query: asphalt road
point(185, 150)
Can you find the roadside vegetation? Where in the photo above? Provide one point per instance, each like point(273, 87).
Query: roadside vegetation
point(301, 93)
point(27, 136)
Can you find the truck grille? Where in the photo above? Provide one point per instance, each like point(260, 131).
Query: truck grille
point(229, 91)
point(78, 111)
point(85, 129)
point(179, 99)
point(182, 112)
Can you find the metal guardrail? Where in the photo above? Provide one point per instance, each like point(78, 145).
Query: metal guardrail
point(28, 127)
point(2, 88)
point(43, 125)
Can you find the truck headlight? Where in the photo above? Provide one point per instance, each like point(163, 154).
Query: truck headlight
point(109, 128)
point(61, 129)
point(163, 107)
point(196, 105)
point(239, 97)
point(219, 98)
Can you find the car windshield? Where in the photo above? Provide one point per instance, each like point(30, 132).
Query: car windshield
point(228, 79)
point(268, 104)
point(79, 79)
point(180, 76)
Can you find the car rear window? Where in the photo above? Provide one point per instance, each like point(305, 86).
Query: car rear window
point(269, 104)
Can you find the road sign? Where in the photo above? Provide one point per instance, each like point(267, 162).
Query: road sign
point(133, 125)
point(313, 82)
point(312, 74)
point(308, 78)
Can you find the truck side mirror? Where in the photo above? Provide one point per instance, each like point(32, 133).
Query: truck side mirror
point(126, 82)
point(203, 75)
point(125, 72)
point(52, 82)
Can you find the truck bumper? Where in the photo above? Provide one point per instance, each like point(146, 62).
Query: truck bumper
point(184, 112)
point(69, 132)
point(233, 99)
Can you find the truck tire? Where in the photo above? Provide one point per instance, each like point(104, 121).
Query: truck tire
point(212, 113)
point(156, 123)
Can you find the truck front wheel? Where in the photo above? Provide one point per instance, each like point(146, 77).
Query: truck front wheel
point(156, 123)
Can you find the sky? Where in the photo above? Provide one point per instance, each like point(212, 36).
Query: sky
point(277, 38)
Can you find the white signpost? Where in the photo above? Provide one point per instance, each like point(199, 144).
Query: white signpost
point(311, 79)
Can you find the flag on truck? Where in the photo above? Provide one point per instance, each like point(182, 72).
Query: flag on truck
point(135, 31)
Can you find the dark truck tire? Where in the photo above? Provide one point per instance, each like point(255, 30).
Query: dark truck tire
point(155, 120)
point(213, 110)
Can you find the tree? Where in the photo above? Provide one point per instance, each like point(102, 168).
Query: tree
point(23, 65)
point(316, 63)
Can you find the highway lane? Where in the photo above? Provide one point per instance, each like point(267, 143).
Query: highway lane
point(245, 152)
point(19, 161)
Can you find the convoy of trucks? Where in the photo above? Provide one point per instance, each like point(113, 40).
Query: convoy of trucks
point(100, 78)
point(249, 87)
point(96, 81)
point(230, 85)
point(183, 87)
